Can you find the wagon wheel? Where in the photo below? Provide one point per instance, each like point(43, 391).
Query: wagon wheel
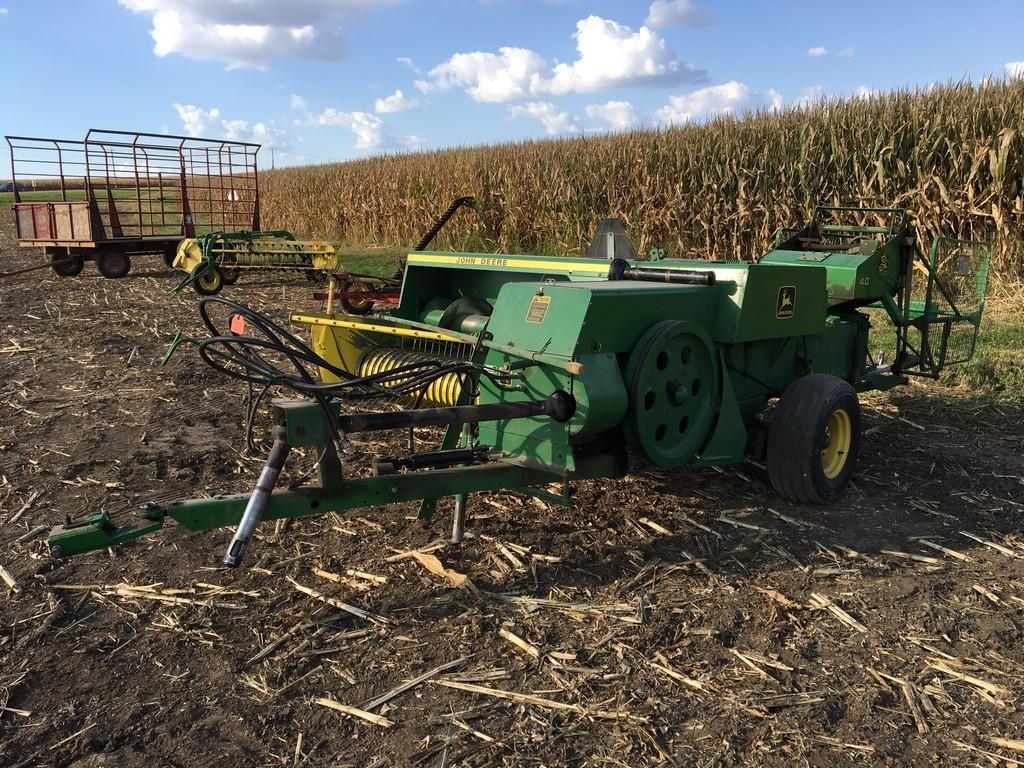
point(356, 306)
point(168, 255)
point(207, 279)
point(65, 264)
point(673, 379)
point(112, 264)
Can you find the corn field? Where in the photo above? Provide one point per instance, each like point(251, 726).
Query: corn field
point(951, 155)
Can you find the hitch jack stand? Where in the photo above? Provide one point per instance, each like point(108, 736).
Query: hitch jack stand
point(459, 520)
point(257, 503)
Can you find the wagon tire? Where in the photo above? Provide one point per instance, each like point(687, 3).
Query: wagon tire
point(113, 264)
point(814, 439)
point(208, 280)
point(356, 306)
point(66, 264)
point(169, 256)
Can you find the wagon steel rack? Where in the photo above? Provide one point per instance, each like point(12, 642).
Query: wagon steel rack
point(118, 194)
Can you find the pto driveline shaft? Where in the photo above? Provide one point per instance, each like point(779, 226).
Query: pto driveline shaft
point(621, 270)
point(258, 500)
point(560, 406)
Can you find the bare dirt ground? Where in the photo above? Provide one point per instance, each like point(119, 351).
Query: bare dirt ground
point(690, 618)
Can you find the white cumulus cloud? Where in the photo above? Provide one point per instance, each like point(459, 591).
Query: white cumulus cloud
point(298, 102)
point(613, 55)
point(251, 33)
point(619, 115)
point(370, 131)
point(196, 120)
point(4, 11)
point(512, 73)
point(676, 13)
point(846, 53)
point(367, 127)
point(1014, 69)
point(610, 55)
point(208, 123)
point(729, 98)
point(258, 133)
point(405, 61)
point(817, 51)
point(548, 115)
point(396, 102)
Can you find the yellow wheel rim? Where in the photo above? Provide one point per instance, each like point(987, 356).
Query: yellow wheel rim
point(209, 280)
point(838, 436)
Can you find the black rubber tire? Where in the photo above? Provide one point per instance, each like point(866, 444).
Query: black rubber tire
point(169, 256)
point(357, 307)
point(65, 264)
point(210, 288)
point(796, 439)
point(113, 264)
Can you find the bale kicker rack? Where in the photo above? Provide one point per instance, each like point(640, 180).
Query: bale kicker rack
point(119, 194)
point(527, 373)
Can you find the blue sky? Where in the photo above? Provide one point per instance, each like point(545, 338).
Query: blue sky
point(323, 80)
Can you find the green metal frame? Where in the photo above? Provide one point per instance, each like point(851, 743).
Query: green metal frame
point(303, 423)
point(928, 359)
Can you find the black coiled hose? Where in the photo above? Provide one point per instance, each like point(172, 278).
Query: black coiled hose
point(248, 358)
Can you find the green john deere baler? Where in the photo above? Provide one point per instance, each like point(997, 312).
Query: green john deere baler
point(543, 370)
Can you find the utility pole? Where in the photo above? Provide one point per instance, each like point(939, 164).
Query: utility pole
point(271, 158)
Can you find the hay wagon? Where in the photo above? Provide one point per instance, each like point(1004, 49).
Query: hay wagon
point(120, 194)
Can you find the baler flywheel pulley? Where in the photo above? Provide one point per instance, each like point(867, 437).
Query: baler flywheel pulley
point(673, 379)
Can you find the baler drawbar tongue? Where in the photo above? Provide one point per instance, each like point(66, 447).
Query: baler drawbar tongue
point(95, 531)
point(98, 531)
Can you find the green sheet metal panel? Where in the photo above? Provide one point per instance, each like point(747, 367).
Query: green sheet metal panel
point(869, 272)
point(436, 278)
point(771, 302)
point(568, 320)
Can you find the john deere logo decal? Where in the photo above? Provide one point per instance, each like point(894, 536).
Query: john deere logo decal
point(786, 305)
